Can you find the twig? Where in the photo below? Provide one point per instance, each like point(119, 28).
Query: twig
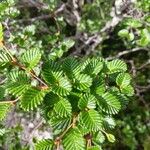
point(13, 102)
point(44, 17)
point(127, 52)
point(144, 65)
point(32, 73)
point(9, 53)
point(62, 135)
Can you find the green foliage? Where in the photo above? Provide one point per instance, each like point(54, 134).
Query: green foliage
point(31, 58)
point(4, 108)
point(1, 33)
point(32, 98)
point(116, 66)
point(63, 108)
point(109, 103)
point(44, 145)
point(76, 98)
point(91, 120)
point(4, 58)
point(74, 140)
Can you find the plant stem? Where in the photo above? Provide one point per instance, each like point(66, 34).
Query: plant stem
point(13, 102)
point(32, 73)
point(61, 136)
point(9, 53)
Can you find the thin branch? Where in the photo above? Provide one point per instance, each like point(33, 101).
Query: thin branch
point(12, 102)
point(9, 53)
point(72, 125)
point(62, 135)
point(32, 73)
point(127, 52)
point(44, 17)
point(144, 65)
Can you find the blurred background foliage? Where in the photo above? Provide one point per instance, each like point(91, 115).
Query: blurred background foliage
point(84, 28)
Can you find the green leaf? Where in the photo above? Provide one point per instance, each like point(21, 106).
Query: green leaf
point(98, 138)
point(116, 66)
point(2, 131)
point(83, 82)
point(111, 138)
point(123, 80)
point(18, 76)
point(74, 140)
point(133, 23)
point(32, 98)
point(91, 120)
point(1, 32)
point(51, 72)
point(4, 58)
point(63, 87)
point(71, 66)
point(145, 38)
point(123, 33)
point(109, 103)
point(63, 108)
point(128, 90)
point(98, 86)
point(58, 51)
point(4, 108)
point(109, 122)
point(93, 66)
point(68, 43)
point(46, 144)
point(31, 58)
point(58, 123)
point(50, 99)
point(17, 88)
point(87, 101)
point(94, 148)
point(131, 36)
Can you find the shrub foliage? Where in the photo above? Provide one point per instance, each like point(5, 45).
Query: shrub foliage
point(78, 97)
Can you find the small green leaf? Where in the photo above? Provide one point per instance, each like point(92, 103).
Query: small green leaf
point(71, 67)
point(94, 148)
point(2, 131)
point(93, 66)
point(133, 23)
point(1, 32)
point(123, 79)
point(63, 87)
point(116, 66)
point(4, 108)
point(128, 90)
point(31, 58)
point(4, 58)
point(46, 144)
point(91, 120)
point(52, 72)
point(98, 138)
point(131, 36)
point(74, 140)
point(87, 101)
point(58, 123)
point(109, 103)
point(32, 98)
point(83, 82)
point(123, 33)
point(63, 108)
point(17, 88)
